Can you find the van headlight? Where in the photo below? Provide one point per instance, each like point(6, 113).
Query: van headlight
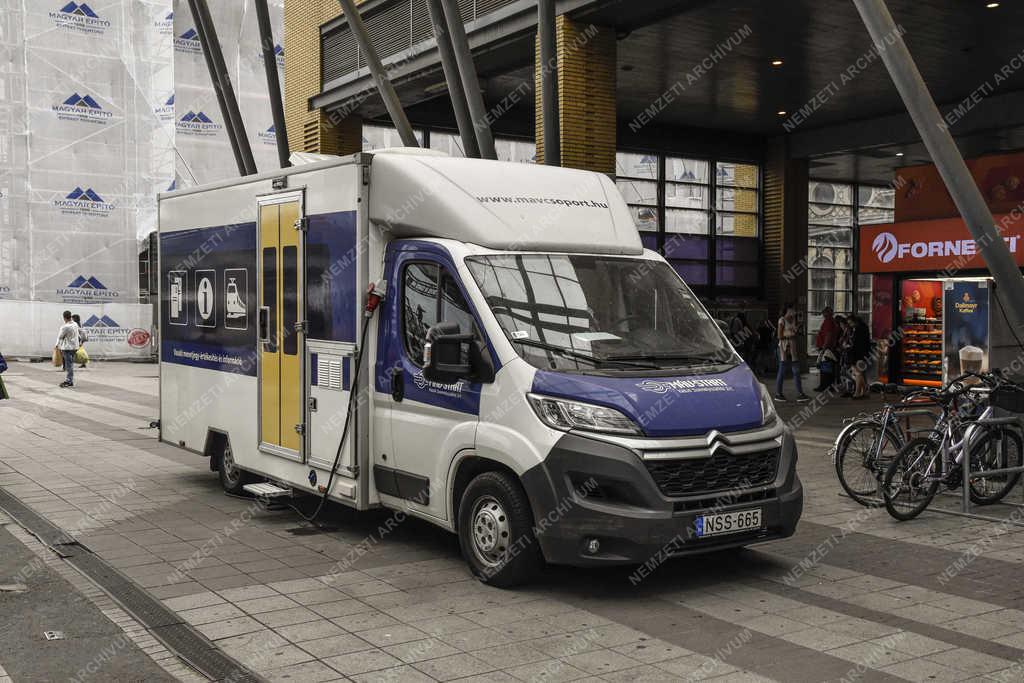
point(563, 414)
point(768, 413)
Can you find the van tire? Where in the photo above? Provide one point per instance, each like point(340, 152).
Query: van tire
point(232, 478)
point(494, 519)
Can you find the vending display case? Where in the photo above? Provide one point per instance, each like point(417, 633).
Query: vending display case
point(921, 309)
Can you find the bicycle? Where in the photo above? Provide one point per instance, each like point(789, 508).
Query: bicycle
point(925, 463)
point(866, 446)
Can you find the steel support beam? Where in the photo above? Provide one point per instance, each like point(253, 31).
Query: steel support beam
point(549, 82)
point(451, 75)
point(934, 132)
point(379, 74)
point(222, 85)
point(467, 72)
point(273, 82)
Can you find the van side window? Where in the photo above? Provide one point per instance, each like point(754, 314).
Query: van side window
point(430, 295)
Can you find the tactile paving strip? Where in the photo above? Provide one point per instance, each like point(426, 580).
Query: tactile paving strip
point(161, 622)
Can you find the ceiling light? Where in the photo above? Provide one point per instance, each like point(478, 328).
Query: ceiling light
point(776, 62)
point(992, 5)
point(899, 154)
point(781, 112)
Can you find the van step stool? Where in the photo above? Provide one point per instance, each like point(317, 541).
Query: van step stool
point(267, 490)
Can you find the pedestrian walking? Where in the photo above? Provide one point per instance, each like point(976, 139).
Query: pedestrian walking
point(787, 330)
point(81, 356)
point(67, 344)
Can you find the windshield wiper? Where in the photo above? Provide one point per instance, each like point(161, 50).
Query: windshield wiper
point(572, 353)
point(708, 360)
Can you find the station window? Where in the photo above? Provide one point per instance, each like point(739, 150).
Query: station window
point(834, 212)
point(703, 215)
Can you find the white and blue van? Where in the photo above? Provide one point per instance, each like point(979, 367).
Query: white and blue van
point(483, 345)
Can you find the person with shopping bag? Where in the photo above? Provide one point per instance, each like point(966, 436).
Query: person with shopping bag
point(81, 356)
point(3, 387)
point(67, 343)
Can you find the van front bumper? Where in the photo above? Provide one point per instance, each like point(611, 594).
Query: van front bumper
point(589, 489)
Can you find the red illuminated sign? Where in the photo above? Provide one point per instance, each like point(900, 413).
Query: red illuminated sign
point(943, 245)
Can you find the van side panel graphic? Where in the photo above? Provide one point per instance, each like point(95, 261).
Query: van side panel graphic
point(213, 257)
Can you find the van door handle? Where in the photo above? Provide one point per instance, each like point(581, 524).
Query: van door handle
point(264, 328)
point(398, 385)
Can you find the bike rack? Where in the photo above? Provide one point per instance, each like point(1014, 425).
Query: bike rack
point(965, 489)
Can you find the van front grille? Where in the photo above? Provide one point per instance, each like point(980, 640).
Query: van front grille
point(723, 471)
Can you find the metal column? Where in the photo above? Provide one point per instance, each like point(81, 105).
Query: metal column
point(934, 132)
point(273, 82)
point(549, 82)
point(222, 85)
point(451, 75)
point(379, 74)
point(467, 72)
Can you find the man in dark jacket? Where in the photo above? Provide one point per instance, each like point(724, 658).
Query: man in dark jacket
point(828, 337)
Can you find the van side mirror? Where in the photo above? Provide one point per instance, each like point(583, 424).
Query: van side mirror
point(443, 354)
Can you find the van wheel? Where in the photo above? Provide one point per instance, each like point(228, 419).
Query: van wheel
point(496, 531)
point(232, 479)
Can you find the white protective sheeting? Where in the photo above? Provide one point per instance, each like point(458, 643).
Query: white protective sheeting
point(84, 152)
point(91, 129)
point(204, 148)
point(113, 330)
point(499, 204)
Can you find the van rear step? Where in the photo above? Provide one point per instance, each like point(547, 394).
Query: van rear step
point(267, 490)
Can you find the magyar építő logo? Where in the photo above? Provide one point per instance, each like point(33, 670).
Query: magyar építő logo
point(165, 112)
point(82, 108)
point(79, 17)
point(85, 202)
point(188, 42)
point(268, 136)
point(104, 329)
point(165, 26)
point(278, 55)
point(197, 123)
point(885, 247)
point(86, 289)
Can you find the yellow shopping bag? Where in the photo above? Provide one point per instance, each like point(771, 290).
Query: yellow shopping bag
point(58, 358)
point(81, 356)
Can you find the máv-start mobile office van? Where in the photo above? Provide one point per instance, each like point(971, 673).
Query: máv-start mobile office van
point(521, 371)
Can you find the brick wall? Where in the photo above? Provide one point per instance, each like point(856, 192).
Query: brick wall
point(586, 96)
point(311, 131)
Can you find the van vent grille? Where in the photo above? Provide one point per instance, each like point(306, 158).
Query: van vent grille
point(723, 471)
point(333, 375)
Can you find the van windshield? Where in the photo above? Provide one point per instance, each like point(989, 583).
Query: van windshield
point(577, 312)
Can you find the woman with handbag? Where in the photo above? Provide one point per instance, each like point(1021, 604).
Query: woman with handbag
point(787, 330)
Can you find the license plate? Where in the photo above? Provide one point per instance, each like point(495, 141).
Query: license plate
point(728, 522)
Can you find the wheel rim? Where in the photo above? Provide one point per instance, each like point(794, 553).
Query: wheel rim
point(857, 470)
point(228, 468)
point(490, 531)
point(912, 483)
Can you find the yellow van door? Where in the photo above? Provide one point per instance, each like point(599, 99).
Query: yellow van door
point(281, 304)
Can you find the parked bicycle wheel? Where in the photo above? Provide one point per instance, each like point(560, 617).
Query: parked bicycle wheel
point(859, 464)
point(995, 449)
point(912, 479)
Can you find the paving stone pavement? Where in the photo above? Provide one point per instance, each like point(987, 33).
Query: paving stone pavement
point(852, 596)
